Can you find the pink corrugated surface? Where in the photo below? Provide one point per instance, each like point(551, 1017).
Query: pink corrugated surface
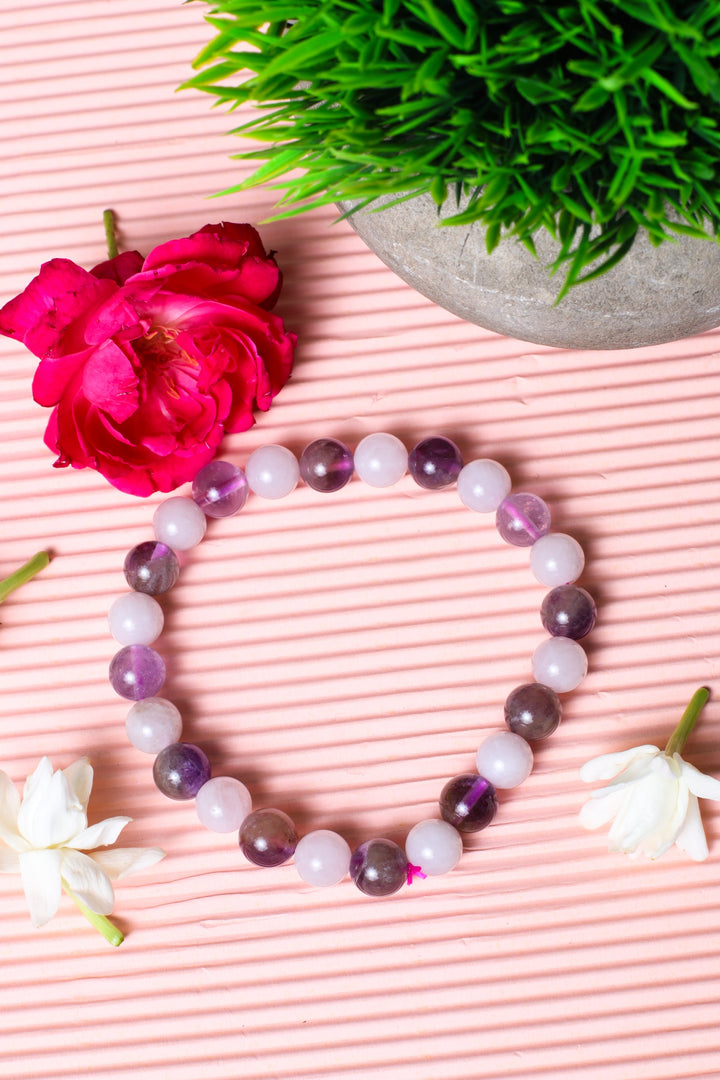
point(345, 654)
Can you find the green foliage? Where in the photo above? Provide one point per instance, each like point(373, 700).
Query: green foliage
point(592, 119)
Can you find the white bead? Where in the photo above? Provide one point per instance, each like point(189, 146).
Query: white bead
point(434, 845)
point(556, 559)
point(483, 484)
point(380, 459)
point(136, 619)
point(272, 471)
point(559, 663)
point(179, 523)
point(322, 857)
point(505, 759)
point(222, 804)
point(152, 724)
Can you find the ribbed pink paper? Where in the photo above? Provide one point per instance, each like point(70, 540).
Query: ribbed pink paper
point(345, 654)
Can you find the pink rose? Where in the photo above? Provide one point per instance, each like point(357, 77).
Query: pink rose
point(147, 363)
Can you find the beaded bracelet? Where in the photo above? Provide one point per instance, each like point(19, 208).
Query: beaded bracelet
point(468, 802)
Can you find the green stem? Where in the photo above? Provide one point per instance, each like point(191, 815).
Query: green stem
point(110, 237)
point(677, 740)
point(24, 573)
point(106, 928)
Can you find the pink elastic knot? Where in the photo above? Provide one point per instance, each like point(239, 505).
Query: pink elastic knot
point(413, 872)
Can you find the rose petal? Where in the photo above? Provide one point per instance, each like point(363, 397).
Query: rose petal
point(88, 881)
point(109, 382)
point(103, 832)
point(120, 268)
point(119, 862)
point(40, 871)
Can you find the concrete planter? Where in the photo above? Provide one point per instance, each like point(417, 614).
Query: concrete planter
point(654, 295)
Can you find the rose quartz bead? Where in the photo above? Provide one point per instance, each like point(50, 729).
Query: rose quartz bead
point(136, 619)
point(504, 759)
point(380, 459)
point(559, 663)
point(322, 858)
point(272, 471)
point(222, 804)
point(435, 846)
point(483, 484)
point(179, 523)
point(152, 724)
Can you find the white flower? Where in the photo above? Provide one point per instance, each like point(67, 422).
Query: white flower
point(48, 841)
point(653, 798)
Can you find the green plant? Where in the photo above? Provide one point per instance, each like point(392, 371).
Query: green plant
point(592, 119)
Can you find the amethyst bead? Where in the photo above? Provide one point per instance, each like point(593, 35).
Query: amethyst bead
point(180, 770)
point(151, 567)
point(379, 867)
point(468, 802)
point(435, 462)
point(268, 837)
point(533, 711)
point(522, 519)
point(137, 672)
point(326, 465)
point(220, 489)
point(568, 611)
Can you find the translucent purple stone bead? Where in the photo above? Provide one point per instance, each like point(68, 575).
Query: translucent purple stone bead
point(180, 770)
point(522, 519)
point(435, 462)
point(379, 867)
point(137, 672)
point(220, 489)
point(533, 711)
point(326, 465)
point(468, 802)
point(268, 837)
point(568, 611)
point(151, 567)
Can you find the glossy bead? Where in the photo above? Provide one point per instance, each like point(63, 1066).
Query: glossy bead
point(505, 759)
point(379, 867)
point(268, 837)
point(522, 519)
point(152, 724)
point(326, 465)
point(434, 845)
point(272, 471)
point(559, 663)
point(483, 484)
point(220, 489)
point(180, 770)
point(468, 802)
point(136, 672)
point(222, 804)
point(435, 462)
point(136, 619)
point(568, 611)
point(533, 711)
point(380, 459)
point(322, 858)
point(151, 567)
point(557, 559)
point(179, 523)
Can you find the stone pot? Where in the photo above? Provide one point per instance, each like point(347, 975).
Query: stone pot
point(652, 296)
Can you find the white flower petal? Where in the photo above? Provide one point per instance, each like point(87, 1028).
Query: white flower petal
point(79, 776)
point(9, 861)
point(691, 838)
point(705, 787)
point(103, 832)
point(50, 814)
point(601, 807)
point(122, 861)
point(609, 765)
point(39, 779)
point(9, 806)
point(88, 881)
point(40, 872)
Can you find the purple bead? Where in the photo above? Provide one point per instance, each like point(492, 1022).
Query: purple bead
point(468, 802)
point(568, 611)
point(151, 567)
point(268, 837)
point(220, 489)
point(379, 867)
point(137, 672)
point(435, 462)
point(180, 770)
point(326, 465)
point(533, 711)
point(522, 519)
